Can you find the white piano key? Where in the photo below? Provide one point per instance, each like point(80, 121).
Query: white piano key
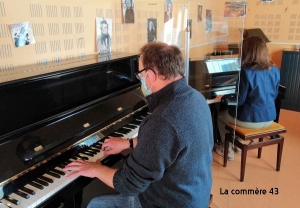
point(38, 193)
point(8, 203)
point(32, 200)
point(3, 205)
point(22, 200)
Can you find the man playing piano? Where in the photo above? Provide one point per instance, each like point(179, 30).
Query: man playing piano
point(170, 165)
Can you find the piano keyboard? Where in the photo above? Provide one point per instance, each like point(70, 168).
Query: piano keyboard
point(219, 94)
point(47, 185)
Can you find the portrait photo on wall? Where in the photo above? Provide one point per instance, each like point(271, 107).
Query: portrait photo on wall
point(189, 27)
point(235, 9)
point(22, 34)
point(103, 36)
point(128, 11)
point(199, 16)
point(208, 21)
point(152, 30)
point(168, 10)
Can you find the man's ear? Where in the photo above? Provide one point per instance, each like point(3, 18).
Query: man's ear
point(153, 75)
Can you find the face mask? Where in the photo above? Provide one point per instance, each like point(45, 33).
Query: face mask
point(144, 87)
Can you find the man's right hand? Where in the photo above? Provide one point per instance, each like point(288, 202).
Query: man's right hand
point(114, 145)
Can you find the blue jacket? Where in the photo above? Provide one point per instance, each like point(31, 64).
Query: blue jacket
point(171, 164)
point(258, 90)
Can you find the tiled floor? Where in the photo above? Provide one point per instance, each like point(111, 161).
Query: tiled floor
point(261, 173)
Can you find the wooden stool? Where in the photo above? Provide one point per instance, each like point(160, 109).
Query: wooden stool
point(249, 134)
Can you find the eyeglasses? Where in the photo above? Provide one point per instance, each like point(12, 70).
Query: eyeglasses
point(138, 75)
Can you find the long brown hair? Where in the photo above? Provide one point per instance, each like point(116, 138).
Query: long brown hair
point(255, 54)
point(166, 59)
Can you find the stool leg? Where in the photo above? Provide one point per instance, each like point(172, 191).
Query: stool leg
point(227, 137)
point(279, 154)
point(243, 162)
point(259, 149)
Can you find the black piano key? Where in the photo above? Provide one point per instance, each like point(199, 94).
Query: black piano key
point(57, 172)
point(101, 140)
point(82, 157)
point(116, 135)
point(97, 147)
point(130, 126)
point(36, 185)
point(87, 153)
point(61, 166)
point(27, 190)
point(135, 122)
point(55, 175)
point(12, 200)
point(44, 183)
point(22, 194)
point(49, 180)
point(65, 163)
point(123, 131)
point(94, 149)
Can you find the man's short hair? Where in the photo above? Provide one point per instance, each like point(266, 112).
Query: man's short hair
point(166, 59)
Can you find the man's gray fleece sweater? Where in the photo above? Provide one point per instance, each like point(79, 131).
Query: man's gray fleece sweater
point(171, 164)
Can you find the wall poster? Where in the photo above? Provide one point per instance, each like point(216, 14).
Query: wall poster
point(199, 16)
point(22, 34)
point(235, 9)
point(152, 30)
point(168, 10)
point(103, 36)
point(208, 21)
point(128, 11)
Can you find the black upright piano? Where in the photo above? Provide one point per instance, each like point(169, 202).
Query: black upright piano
point(216, 76)
point(49, 120)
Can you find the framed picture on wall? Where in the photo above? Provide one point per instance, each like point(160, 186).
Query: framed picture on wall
point(235, 9)
point(128, 11)
point(208, 21)
point(152, 30)
point(168, 10)
point(199, 12)
point(103, 36)
point(22, 34)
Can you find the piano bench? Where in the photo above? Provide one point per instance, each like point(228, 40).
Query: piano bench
point(248, 134)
